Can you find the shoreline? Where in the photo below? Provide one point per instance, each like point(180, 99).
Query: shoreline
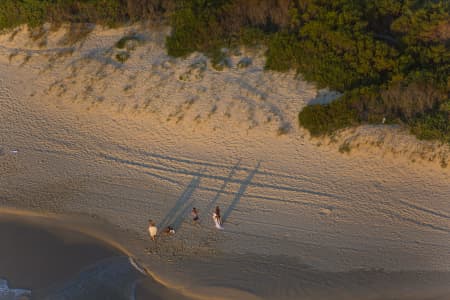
point(393, 283)
point(53, 229)
point(36, 256)
point(77, 224)
point(117, 239)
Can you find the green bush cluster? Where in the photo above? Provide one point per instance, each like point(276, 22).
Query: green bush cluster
point(434, 125)
point(125, 41)
point(321, 119)
point(389, 58)
point(391, 61)
point(196, 28)
point(37, 12)
point(122, 56)
point(105, 12)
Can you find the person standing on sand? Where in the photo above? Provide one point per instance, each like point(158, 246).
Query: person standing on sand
point(217, 219)
point(152, 229)
point(194, 214)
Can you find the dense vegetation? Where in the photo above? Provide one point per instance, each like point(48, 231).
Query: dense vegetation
point(106, 12)
point(389, 58)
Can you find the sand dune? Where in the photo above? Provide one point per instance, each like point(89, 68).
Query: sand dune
point(83, 135)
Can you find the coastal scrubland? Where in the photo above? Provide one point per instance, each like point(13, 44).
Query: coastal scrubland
point(389, 59)
point(103, 130)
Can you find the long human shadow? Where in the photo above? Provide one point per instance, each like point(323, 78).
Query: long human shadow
point(174, 214)
point(245, 183)
point(224, 185)
point(424, 209)
point(216, 177)
point(205, 163)
point(170, 179)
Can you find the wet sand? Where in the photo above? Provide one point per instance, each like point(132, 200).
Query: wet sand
point(42, 258)
point(34, 258)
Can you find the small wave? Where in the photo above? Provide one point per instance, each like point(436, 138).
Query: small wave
point(136, 266)
point(12, 294)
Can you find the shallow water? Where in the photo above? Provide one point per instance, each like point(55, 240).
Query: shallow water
point(51, 263)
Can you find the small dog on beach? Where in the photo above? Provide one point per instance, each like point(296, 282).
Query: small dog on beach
point(169, 230)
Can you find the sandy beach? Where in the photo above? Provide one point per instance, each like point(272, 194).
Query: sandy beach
point(101, 147)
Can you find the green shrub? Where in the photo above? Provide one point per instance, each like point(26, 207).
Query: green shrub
point(345, 148)
point(434, 124)
point(14, 13)
point(123, 56)
point(125, 41)
point(325, 119)
point(194, 32)
point(37, 12)
point(219, 59)
point(252, 37)
point(281, 53)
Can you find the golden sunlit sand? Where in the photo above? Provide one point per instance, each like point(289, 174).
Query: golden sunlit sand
point(103, 146)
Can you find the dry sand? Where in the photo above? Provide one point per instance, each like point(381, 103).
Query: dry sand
point(85, 137)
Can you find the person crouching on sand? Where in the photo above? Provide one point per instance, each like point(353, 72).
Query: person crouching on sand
point(194, 214)
point(152, 229)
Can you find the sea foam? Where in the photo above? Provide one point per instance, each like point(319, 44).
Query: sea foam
point(7, 293)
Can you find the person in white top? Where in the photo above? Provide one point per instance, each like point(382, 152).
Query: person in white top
point(152, 229)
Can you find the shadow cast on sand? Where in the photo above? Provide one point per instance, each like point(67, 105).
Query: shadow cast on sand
point(240, 193)
point(175, 216)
